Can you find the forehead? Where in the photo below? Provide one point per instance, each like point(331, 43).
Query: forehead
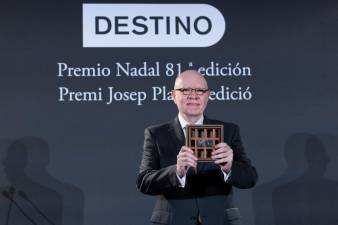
point(191, 79)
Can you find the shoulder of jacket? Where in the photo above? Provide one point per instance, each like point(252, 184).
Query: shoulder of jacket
point(225, 124)
point(158, 127)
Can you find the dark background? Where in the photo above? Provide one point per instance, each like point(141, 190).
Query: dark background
point(80, 160)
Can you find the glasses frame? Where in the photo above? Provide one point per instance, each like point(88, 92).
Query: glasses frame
point(188, 91)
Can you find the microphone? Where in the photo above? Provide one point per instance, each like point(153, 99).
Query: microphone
point(24, 196)
point(8, 195)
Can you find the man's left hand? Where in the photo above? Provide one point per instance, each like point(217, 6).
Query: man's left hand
point(223, 156)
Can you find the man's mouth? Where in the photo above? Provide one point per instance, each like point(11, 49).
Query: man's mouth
point(193, 103)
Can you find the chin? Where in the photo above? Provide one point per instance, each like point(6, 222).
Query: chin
point(194, 113)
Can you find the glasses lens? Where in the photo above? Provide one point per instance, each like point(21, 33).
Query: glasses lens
point(188, 91)
point(200, 91)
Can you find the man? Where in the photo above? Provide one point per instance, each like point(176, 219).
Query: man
point(190, 192)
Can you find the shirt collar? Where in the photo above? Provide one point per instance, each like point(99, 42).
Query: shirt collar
point(184, 123)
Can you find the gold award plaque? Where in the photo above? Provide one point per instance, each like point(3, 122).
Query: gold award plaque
point(202, 139)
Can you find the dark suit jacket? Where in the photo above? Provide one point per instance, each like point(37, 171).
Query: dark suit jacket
point(205, 193)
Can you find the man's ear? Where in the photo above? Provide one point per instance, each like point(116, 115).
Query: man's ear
point(173, 95)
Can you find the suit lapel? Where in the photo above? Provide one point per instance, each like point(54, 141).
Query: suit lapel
point(176, 133)
point(206, 120)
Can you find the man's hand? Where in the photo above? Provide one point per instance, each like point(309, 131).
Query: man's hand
point(185, 160)
point(223, 156)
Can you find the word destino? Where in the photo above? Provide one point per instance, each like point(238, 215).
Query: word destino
point(110, 95)
point(201, 25)
point(151, 25)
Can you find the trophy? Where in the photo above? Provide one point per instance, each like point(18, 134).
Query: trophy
point(202, 140)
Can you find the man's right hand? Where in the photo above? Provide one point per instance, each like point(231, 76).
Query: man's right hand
point(185, 160)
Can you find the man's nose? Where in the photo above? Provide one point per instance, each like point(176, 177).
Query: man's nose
point(193, 95)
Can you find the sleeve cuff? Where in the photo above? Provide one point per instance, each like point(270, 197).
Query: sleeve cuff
point(181, 180)
point(226, 175)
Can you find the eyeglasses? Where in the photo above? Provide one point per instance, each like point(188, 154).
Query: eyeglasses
point(188, 91)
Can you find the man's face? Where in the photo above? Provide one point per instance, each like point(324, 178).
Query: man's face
point(190, 105)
